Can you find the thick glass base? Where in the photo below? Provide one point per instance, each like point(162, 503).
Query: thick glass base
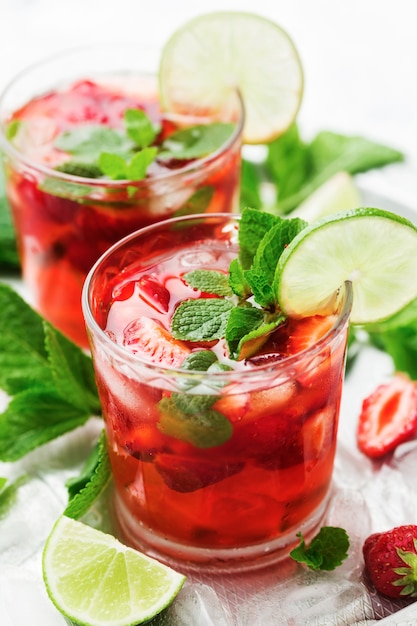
point(190, 558)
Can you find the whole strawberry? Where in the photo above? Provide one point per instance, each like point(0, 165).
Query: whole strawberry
point(391, 561)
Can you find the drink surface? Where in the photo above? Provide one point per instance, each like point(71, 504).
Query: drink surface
point(63, 225)
point(255, 465)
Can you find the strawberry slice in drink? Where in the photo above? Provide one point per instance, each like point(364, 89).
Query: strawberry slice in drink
point(388, 417)
point(145, 337)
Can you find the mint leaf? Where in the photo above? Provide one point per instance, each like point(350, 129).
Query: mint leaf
point(201, 320)
point(261, 276)
point(200, 426)
point(242, 320)
point(72, 372)
point(253, 226)
point(86, 488)
point(83, 170)
point(199, 361)
point(209, 281)
point(237, 280)
point(139, 127)
point(197, 203)
point(9, 259)
point(326, 551)
point(196, 141)
point(65, 189)
point(88, 141)
point(113, 165)
point(139, 163)
point(247, 331)
point(32, 418)
point(8, 493)
point(50, 380)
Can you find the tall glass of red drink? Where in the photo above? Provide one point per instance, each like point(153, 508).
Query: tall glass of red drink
point(221, 467)
point(66, 218)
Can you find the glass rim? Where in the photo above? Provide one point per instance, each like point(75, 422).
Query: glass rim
point(8, 148)
point(344, 299)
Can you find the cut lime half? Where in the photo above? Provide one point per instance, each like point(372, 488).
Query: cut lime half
point(216, 53)
point(94, 580)
point(374, 249)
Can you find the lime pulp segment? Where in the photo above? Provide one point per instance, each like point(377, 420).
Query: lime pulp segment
point(95, 580)
point(217, 53)
point(374, 249)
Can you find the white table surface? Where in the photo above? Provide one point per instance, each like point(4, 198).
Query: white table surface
point(360, 60)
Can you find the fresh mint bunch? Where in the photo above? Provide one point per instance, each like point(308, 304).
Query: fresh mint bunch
point(126, 154)
point(247, 310)
point(49, 379)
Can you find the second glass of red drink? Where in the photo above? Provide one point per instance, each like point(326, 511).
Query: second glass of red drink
point(70, 201)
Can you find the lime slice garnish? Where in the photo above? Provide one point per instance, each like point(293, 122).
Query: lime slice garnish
point(374, 249)
point(338, 193)
point(95, 580)
point(216, 52)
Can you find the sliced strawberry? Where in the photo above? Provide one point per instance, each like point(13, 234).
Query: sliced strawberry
point(146, 337)
point(388, 417)
point(319, 433)
point(304, 333)
point(154, 293)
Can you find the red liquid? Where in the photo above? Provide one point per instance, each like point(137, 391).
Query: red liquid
point(275, 469)
point(61, 233)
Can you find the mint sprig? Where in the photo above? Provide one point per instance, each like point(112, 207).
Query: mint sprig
point(326, 551)
point(126, 154)
point(247, 310)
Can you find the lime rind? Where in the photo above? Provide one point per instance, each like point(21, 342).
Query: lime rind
point(94, 580)
point(217, 53)
point(374, 249)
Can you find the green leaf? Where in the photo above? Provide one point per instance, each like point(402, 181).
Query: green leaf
point(32, 418)
point(139, 127)
point(72, 371)
point(113, 165)
point(253, 226)
point(196, 141)
point(201, 320)
point(199, 361)
point(247, 331)
point(197, 203)
point(86, 488)
point(9, 259)
point(23, 356)
point(65, 189)
point(252, 176)
point(139, 163)
point(237, 281)
point(209, 281)
point(326, 551)
point(242, 320)
point(83, 170)
point(88, 141)
point(200, 426)
point(8, 493)
point(328, 154)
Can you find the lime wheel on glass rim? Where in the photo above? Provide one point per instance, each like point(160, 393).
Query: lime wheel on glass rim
point(216, 53)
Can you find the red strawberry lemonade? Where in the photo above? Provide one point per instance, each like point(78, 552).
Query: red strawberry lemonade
point(67, 211)
point(216, 460)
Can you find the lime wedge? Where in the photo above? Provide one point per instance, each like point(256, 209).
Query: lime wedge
point(94, 580)
point(215, 53)
point(374, 249)
point(338, 193)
